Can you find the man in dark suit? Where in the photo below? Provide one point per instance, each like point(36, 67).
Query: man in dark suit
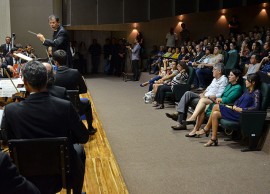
point(11, 181)
point(60, 38)
point(6, 47)
point(71, 79)
point(10, 60)
point(43, 116)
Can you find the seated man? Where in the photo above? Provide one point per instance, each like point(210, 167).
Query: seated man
point(254, 65)
point(71, 79)
point(213, 91)
point(265, 69)
point(44, 116)
point(10, 61)
point(11, 181)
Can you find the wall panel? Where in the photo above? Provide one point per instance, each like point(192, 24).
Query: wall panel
point(185, 6)
point(209, 5)
point(161, 9)
point(135, 11)
point(110, 12)
point(83, 12)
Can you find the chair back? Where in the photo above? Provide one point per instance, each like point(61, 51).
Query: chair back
point(41, 157)
point(74, 98)
point(232, 62)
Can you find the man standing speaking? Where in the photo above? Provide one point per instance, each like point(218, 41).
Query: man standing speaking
point(60, 38)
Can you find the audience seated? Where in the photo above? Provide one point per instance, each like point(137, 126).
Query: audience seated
point(265, 69)
point(249, 101)
point(171, 72)
point(180, 78)
point(232, 91)
point(162, 73)
point(254, 65)
point(156, 63)
point(214, 90)
point(205, 66)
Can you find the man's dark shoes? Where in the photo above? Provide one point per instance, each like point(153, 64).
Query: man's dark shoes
point(179, 127)
point(173, 116)
point(92, 131)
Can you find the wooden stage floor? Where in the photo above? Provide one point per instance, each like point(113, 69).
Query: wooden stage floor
point(102, 173)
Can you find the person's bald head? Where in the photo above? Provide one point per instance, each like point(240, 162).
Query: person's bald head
point(49, 73)
point(48, 66)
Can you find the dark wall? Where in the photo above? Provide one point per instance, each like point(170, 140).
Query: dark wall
point(161, 9)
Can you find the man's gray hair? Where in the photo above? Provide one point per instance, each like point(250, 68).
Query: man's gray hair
point(219, 66)
point(52, 17)
point(35, 73)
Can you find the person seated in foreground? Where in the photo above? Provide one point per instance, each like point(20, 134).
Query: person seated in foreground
point(232, 92)
point(11, 181)
point(214, 90)
point(71, 79)
point(180, 78)
point(43, 116)
point(249, 101)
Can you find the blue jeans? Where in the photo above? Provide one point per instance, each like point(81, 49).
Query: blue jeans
point(204, 75)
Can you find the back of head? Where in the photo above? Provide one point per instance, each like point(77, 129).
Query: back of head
point(35, 73)
point(60, 57)
point(49, 73)
point(254, 77)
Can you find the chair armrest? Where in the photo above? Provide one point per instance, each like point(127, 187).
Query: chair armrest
point(251, 122)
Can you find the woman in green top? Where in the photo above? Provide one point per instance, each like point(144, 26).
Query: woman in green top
point(232, 92)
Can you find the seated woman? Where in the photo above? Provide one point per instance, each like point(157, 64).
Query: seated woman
point(249, 101)
point(168, 53)
point(166, 80)
point(180, 78)
point(232, 91)
point(175, 54)
point(162, 73)
point(183, 53)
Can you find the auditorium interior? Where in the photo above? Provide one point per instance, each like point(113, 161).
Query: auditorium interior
point(135, 150)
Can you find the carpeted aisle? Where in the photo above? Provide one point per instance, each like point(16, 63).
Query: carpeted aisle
point(155, 159)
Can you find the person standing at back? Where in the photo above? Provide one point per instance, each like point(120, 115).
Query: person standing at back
point(171, 38)
point(71, 79)
point(60, 39)
point(7, 46)
point(135, 57)
point(95, 51)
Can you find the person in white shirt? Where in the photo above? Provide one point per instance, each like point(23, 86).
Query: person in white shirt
point(214, 90)
point(171, 38)
point(254, 65)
